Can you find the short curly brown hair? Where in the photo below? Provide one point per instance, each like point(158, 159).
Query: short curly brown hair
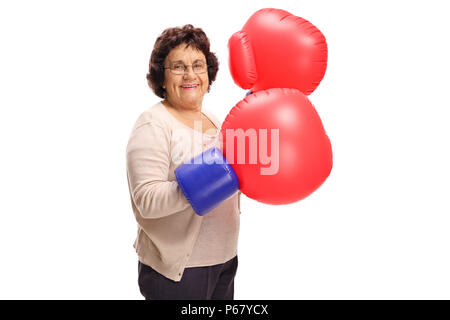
point(171, 38)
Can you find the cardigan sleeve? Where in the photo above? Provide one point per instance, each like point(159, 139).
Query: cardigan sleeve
point(148, 162)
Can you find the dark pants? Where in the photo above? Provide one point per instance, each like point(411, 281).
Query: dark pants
point(198, 283)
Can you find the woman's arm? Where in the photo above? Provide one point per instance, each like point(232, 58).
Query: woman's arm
point(148, 162)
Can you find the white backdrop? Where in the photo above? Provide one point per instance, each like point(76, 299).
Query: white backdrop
point(72, 81)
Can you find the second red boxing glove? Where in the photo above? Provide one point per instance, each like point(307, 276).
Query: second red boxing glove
point(276, 49)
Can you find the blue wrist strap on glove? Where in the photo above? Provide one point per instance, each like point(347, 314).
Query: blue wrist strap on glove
point(207, 180)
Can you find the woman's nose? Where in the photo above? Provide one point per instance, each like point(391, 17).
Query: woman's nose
point(189, 72)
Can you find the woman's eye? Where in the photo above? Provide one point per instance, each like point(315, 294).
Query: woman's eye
point(178, 67)
point(199, 67)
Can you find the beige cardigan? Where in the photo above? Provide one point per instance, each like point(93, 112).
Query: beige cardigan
point(170, 235)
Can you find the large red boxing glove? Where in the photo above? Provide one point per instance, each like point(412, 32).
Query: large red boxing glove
point(275, 142)
point(276, 49)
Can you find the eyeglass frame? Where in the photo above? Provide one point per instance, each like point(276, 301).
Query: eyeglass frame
point(186, 68)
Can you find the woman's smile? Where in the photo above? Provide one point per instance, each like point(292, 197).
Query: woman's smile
point(189, 86)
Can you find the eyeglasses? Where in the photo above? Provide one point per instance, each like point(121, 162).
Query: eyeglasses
point(180, 68)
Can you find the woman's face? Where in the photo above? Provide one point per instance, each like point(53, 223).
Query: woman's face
point(185, 90)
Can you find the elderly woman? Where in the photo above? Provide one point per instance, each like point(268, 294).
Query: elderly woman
point(181, 255)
